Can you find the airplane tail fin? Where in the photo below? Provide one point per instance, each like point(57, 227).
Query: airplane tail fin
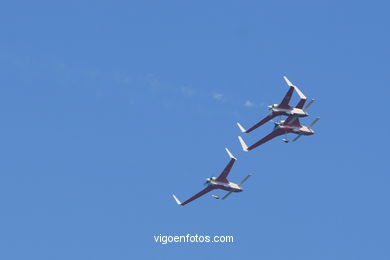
point(243, 144)
point(177, 200)
point(241, 128)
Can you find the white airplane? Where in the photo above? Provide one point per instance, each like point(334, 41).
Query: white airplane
point(220, 182)
point(284, 127)
point(284, 109)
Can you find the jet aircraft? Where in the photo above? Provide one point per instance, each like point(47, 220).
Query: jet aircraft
point(283, 109)
point(220, 182)
point(290, 125)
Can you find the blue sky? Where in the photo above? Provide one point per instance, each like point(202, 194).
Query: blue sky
point(107, 108)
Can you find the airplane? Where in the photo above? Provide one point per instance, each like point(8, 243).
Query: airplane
point(220, 182)
point(290, 125)
point(283, 109)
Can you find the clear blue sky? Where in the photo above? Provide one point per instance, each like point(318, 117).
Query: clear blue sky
point(107, 108)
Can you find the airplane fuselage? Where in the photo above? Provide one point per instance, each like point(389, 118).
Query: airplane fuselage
point(300, 130)
point(290, 111)
point(228, 186)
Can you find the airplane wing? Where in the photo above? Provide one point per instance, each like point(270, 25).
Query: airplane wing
point(300, 94)
point(301, 103)
point(287, 97)
point(222, 177)
point(203, 192)
point(272, 135)
point(262, 122)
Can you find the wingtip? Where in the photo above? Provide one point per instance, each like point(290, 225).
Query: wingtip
point(230, 154)
point(243, 144)
point(288, 81)
point(177, 200)
point(301, 95)
point(241, 128)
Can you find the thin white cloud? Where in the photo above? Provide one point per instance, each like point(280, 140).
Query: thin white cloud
point(153, 82)
point(121, 78)
point(187, 91)
point(248, 103)
point(218, 96)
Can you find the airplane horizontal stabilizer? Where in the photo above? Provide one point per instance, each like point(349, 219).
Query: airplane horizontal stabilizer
point(315, 121)
point(309, 104)
point(296, 138)
point(244, 180)
point(227, 194)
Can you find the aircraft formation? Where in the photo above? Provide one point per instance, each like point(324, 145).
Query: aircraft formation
point(282, 127)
